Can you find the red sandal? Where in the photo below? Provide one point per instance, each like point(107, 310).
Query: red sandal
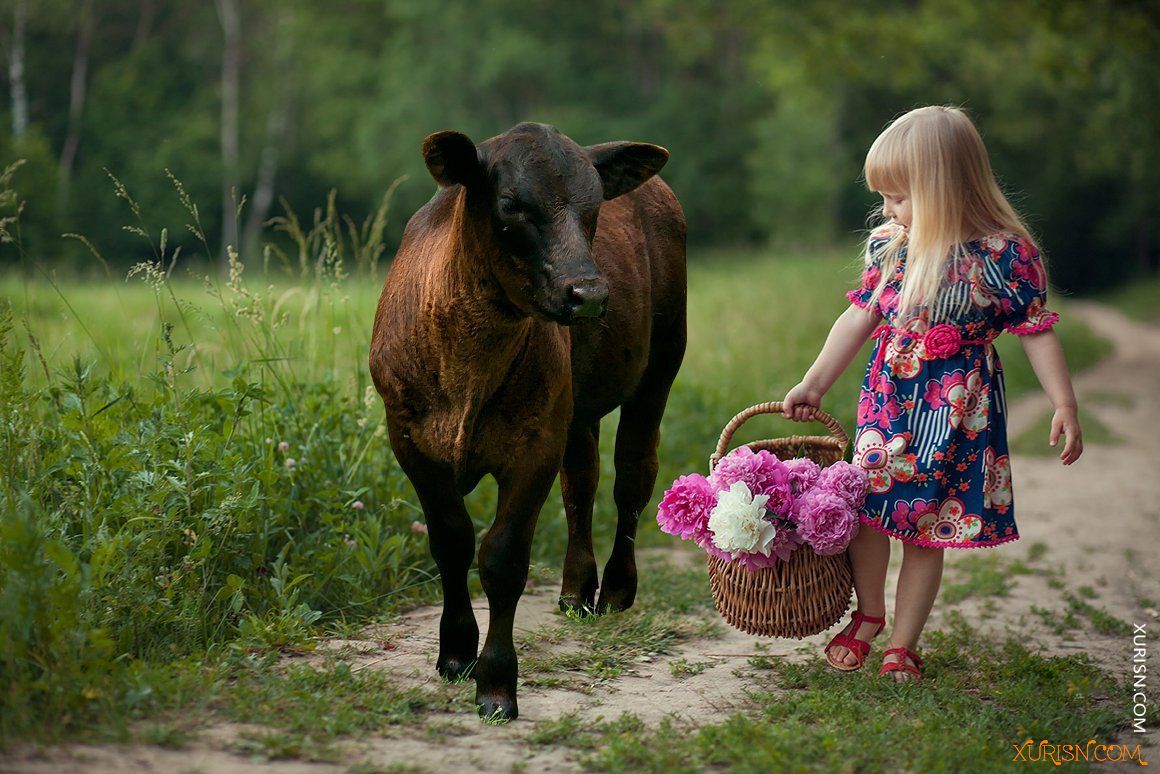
point(900, 665)
point(860, 648)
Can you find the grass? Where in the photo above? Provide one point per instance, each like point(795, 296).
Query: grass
point(986, 577)
point(980, 696)
point(1034, 440)
point(194, 478)
point(1137, 299)
point(673, 606)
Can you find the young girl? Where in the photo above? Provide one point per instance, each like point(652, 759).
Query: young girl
point(952, 269)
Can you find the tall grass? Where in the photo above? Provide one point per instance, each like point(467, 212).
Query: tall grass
point(195, 467)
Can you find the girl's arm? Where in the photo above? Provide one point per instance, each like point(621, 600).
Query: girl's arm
point(847, 336)
point(1046, 355)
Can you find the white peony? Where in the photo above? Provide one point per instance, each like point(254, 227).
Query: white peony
point(738, 521)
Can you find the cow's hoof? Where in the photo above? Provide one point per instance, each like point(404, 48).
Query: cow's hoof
point(496, 709)
point(455, 670)
point(614, 601)
point(572, 605)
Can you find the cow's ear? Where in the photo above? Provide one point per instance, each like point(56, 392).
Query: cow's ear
point(625, 165)
point(451, 158)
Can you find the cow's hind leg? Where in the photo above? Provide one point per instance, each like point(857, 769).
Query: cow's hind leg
point(579, 477)
point(451, 536)
point(503, 567)
point(637, 437)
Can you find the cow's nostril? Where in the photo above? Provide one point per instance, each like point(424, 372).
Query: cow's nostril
point(587, 298)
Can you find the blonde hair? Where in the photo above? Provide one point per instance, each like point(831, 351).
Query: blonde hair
point(936, 158)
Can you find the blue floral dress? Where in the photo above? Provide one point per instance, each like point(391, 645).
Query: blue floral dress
point(932, 424)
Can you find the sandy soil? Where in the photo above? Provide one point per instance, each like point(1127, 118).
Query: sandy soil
point(1099, 519)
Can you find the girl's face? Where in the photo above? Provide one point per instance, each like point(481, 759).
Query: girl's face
point(896, 206)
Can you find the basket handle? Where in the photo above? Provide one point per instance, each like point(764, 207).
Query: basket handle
point(773, 407)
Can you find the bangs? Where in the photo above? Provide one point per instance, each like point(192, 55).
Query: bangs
point(886, 167)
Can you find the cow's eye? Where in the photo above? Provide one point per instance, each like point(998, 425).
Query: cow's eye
point(510, 206)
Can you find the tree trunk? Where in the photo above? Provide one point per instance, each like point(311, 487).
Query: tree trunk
point(231, 77)
point(277, 123)
point(16, 69)
point(145, 17)
point(76, 101)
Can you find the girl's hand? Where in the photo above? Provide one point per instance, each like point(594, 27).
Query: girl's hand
point(798, 401)
point(1066, 422)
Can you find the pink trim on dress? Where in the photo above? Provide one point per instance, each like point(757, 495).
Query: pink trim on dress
point(855, 299)
point(1046, 321)
point(930, 543)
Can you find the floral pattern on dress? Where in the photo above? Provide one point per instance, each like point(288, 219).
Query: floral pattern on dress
point(952, 523)
point(906, 353)
point(996, 481)
point(932, 430)
point(970, 402)
point(884, 459)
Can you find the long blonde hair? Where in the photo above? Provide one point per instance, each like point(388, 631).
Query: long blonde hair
point(935, 157)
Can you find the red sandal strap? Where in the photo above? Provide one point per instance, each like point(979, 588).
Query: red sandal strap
point(899, 666)
point(860, 648)
point(859, 617)
point(904, 651)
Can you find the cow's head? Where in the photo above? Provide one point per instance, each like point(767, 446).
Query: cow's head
point(539, 194)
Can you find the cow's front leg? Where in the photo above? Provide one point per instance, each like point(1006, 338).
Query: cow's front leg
point(451, 536)
point(503, 567)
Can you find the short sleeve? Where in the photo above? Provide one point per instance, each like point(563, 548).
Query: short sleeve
point(872, 271)
point(1024, 298)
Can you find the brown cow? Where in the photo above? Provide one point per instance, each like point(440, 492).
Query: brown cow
point(541, 287)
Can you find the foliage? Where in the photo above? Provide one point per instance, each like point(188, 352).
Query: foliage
point(767, 108)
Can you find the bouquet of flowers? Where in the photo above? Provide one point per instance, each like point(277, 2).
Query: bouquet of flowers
point(755, 509)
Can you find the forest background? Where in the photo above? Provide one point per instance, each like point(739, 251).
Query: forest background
point(767, 108)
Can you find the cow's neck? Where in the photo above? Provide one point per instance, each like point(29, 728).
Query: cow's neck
point(480, 337)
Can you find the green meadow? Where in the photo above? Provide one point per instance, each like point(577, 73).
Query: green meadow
point(196, 478)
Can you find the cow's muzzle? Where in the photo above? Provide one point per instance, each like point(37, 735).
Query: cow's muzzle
point(587, 297)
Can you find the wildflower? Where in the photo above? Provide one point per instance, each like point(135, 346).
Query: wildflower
point(291, 462)
point(283, 446)
point(418, 527)
point(357, 505)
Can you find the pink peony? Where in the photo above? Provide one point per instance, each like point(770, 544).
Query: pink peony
point(761, 471)
point(825, 521)
point(684, 509)
point(803, 473)
point(847, 481)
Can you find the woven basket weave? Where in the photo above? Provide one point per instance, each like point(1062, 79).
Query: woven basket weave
point(808, 593)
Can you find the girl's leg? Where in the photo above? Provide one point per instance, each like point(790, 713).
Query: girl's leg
point(869, 557)
point(918, 582)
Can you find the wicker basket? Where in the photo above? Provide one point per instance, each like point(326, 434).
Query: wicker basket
point(806, 594)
